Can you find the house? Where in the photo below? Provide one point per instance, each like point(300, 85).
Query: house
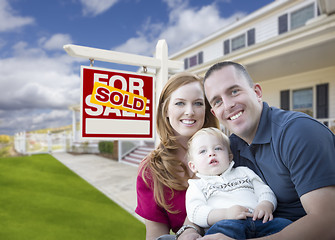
point(287, 46)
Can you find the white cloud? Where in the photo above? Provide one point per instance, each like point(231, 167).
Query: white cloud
point(96, 7)
point(43, 82)
point(186, 25)
point(34, 87)
point(55, 42)
point(9, 21)
point(50, 116)
point(33, 119)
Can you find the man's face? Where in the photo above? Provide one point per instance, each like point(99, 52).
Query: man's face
point(236, 104)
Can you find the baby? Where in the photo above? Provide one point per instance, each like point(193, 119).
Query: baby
point(232, 201)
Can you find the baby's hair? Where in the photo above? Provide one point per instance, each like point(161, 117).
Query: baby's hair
point(206, 131)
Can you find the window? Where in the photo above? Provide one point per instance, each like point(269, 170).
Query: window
point(251, 37)
point(282, 24)
point(296, 19)
point(303, 100)
point(238, 42)
point(226, 47)
point(247, 38)
point(301, 16)
point(194, 60)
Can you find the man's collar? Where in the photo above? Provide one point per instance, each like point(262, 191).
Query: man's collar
point(263, 133)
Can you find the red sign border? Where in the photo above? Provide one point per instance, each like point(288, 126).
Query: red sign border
point(88, 136)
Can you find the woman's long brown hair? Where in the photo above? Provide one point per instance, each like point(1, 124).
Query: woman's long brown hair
point(162, 167)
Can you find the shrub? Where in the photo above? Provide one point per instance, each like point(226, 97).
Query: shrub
point(106, 147)
point(4, 139)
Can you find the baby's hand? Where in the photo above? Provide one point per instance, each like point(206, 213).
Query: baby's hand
point(238, 212)
point(263, 210)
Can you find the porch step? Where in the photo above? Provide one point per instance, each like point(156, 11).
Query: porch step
point(137, 155)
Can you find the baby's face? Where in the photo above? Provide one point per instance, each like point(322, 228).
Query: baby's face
point(209, 155)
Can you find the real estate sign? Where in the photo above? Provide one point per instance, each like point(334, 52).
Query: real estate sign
point(116, 104)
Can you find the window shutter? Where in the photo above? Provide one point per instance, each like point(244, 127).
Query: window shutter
point(251, 37)
point(322, 101)
point(226, 47)
point(200, 57)
point(318, 9)
point(282, 24)
point(285, 100)
point(186, 63)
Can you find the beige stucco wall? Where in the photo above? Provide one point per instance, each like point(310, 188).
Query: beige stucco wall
point(271, 88)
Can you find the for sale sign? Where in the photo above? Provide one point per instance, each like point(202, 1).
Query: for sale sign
point(116, 104)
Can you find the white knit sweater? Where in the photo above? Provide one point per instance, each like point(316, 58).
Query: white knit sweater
point(236, 186)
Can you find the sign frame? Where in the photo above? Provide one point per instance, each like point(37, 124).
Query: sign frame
point(108, 124)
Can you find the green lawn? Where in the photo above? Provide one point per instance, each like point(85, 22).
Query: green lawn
point(42, 199)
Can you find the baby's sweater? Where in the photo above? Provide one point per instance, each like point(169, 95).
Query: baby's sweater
point(236, 186)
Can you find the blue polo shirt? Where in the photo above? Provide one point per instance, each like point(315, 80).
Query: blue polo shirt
point(293, 153)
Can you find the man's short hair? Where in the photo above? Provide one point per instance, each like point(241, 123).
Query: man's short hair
point(239, 68)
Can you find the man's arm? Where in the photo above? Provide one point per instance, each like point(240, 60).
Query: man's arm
point(319, 221)
point(190, 233)
point(317, 224)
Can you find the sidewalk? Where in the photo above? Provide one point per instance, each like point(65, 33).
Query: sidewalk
point(116, 180)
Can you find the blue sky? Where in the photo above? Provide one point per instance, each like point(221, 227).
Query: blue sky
point(39, 81)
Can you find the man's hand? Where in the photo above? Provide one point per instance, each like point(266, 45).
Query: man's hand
point(189, 234)
point(217, 236)
point(263, 210)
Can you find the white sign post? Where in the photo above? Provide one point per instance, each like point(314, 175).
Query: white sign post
point(160, 62)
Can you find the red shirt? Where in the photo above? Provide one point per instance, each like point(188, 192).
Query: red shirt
point(148, 208)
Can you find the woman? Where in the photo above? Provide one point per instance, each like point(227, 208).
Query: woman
point(162, 180)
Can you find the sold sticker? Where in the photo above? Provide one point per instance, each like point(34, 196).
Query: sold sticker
point(116, 98)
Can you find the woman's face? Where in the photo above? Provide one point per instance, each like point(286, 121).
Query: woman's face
point(186, 109)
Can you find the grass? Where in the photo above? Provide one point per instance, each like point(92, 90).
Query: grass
point(42, 199)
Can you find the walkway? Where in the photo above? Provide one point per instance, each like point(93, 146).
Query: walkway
point(116, 180)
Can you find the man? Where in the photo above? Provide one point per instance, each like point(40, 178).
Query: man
point(292, 152)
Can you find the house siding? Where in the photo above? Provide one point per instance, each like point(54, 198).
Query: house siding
point(266, 27)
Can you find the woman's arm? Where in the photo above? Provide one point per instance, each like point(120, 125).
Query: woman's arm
point(155, 229)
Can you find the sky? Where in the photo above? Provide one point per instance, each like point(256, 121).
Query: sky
point(39, 80)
